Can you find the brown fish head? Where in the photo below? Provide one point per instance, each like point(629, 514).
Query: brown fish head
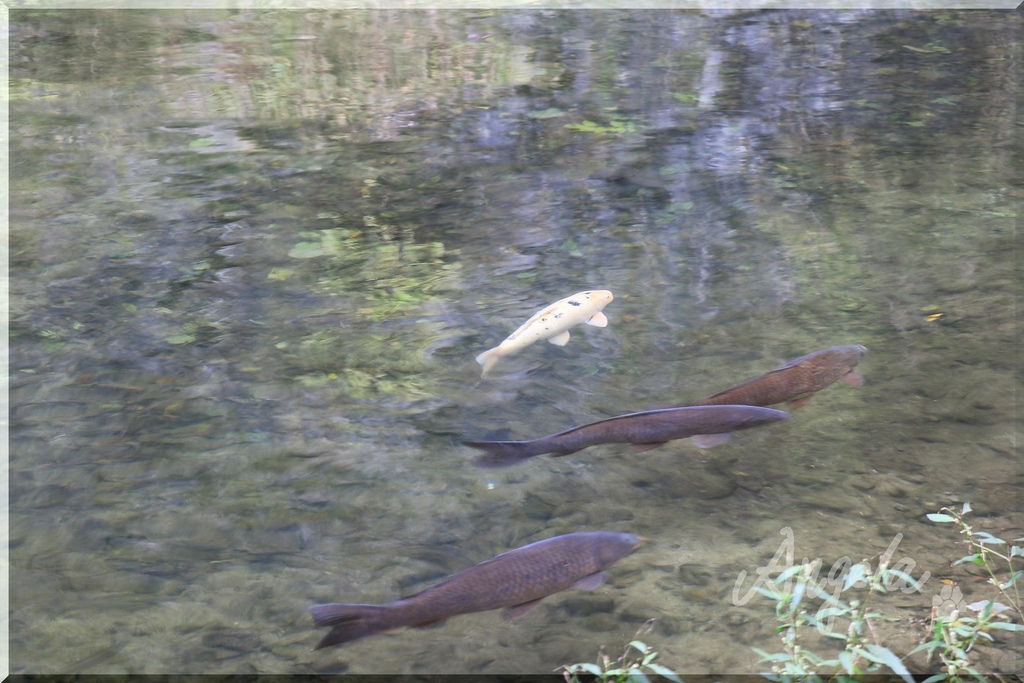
point(857, 351)
point(612, 546)
point(851, 356)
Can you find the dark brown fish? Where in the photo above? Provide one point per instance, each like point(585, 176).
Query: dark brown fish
point(518, 579)
point(795, 382)
point(709, 425)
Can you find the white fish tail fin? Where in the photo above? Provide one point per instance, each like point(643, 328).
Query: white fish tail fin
point(488, 359)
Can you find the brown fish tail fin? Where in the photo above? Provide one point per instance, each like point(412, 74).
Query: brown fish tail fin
point(502, 453)
point(349, 622)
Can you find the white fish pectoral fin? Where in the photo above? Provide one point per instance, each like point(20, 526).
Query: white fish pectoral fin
point(592, 582)
point(853, 378)
point(710, 440)
point(599, 319)
point(560, 339)
point(516, 611)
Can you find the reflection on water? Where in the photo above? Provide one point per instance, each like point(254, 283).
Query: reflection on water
point(254, 255)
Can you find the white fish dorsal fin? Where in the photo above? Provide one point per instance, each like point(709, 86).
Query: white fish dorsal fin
point(516, 611)
point(592, 582)
point(560, 339)
point(710, 440)
point(599, 319)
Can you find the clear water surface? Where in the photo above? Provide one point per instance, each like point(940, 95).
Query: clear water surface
point(254, 253)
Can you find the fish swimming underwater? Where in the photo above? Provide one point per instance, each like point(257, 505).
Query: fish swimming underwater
point(517, 579)
point(709, 425)
point(551, 323)
point(796, 382)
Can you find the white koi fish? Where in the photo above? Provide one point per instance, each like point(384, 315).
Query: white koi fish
point(551, 323)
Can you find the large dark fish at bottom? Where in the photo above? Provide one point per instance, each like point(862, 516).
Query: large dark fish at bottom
point(709, 425)
point(518, 579)
point(795, 382)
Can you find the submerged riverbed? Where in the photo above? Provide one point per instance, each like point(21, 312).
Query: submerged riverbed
point(254, 254)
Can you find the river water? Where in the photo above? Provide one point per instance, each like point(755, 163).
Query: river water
point(254, 254)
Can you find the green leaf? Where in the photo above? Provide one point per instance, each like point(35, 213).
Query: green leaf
point(906, 578)
point(847, 659)
point(798, 596)
point(180, 339)
point(664, 672)
point(826, 612)
point(638, 645)
point(855, 574)
point(884, 655)
point(589, 668)
point(988, 538)
point(787, 574)
point(772, 657)
point(929, 646)
point(638, 676)
point(936, 517)
point(1005, 626)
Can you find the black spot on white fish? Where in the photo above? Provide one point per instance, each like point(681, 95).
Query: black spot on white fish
point(575, 303)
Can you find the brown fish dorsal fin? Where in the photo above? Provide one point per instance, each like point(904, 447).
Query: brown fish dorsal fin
point(853, 378)
point(592, 582)
point(641, 447)
point(710, 440)
point(516, 611)
point(560, 339)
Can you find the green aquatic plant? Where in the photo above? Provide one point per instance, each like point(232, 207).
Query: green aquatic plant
point(632, 666)
point(388, 275)
point(955, 634)
point(862, 652)
point(613, 127)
